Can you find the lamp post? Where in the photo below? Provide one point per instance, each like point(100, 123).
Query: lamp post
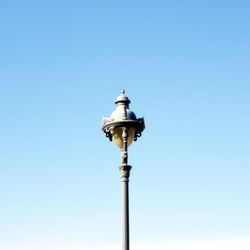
point(123, 128)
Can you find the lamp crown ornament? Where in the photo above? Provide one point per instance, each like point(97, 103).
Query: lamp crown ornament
point(122, 99)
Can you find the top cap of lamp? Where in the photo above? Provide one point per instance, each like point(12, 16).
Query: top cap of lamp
point(122, 111)
point(122, 99)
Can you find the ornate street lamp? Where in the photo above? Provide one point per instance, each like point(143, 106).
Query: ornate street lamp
point(123, 128)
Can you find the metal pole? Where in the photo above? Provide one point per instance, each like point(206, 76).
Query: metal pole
point(125, 171)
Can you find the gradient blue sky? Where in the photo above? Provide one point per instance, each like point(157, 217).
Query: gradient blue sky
point(185, 67)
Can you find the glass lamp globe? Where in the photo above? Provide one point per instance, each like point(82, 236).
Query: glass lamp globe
point(117, 137)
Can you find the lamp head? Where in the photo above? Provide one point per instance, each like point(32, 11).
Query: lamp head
point(120, 118)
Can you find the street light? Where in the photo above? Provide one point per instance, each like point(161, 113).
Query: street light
point(123, 128)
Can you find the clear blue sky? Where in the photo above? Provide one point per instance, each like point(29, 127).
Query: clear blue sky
point(184, 66)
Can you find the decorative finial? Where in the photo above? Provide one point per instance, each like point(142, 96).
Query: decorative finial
point(122, 99)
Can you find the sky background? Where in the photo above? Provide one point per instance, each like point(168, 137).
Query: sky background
point(184, 66)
